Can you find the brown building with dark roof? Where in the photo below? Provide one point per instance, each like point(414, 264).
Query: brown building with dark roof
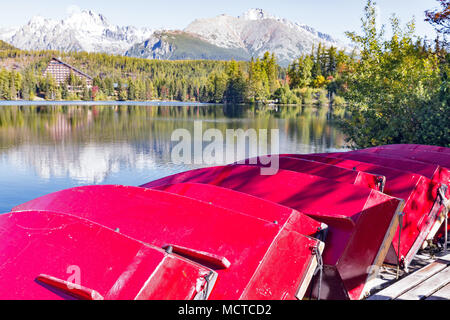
point(61, 71)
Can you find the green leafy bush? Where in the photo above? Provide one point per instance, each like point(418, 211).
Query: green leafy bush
point(396, 93)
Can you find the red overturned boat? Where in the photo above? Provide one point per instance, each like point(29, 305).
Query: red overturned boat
point(273, 257)
point(430, 162)
point(354, 248)
point(40, 251)
point(422, 203)
point(318, 228)
point(427, 154)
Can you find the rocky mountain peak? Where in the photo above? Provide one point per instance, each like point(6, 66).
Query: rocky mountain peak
point(223, 37)
point(256, 14)
point(86, 19)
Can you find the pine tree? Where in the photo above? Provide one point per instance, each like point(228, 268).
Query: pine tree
point(332, 62)
point(131, 94)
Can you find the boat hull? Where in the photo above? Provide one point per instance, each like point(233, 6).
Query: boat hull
point(243, 250)
point(439, 175)
point(422, 210)
point(51, 256)
point(415, 147)
point(353, 246)
point(320, 169)
point(427, 154)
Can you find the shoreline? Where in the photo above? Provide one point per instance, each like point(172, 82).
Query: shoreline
point(165, 103)
point(101, 103)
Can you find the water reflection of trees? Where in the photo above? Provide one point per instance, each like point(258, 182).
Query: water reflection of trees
point(89, 143)
point(81, 124)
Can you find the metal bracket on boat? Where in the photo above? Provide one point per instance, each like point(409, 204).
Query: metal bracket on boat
point(210, 279)
point(381, 183)
point(319, 268)
point(446, 204)
point(401, 259)
point(444, 201)
point(321, 233)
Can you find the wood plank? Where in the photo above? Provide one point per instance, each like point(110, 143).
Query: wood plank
point(409, 282)
point(428, 287)
point(309, 274)
point(445, 258)
point(442, 294)
point(374, 270)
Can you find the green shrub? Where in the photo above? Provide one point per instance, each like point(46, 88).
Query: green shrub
point(397, 92)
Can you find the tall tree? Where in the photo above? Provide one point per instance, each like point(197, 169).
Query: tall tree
point(270, 66)
point(440, 18)
point(300, 72)
point(394, 89)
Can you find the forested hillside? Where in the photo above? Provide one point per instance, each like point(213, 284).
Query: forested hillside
point(5, 46)
point(125, 78)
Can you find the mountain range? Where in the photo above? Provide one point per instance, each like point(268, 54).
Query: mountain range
point(220, 38)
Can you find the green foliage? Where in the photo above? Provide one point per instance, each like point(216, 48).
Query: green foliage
point(397, 92)
point(306, 95)
point(125, 78)
point(6, 46)
point(339, 102)
point(324, 68)
point(236, 85)
point(258, 81)
point(217, 85)
point(300, 72)
point(322, 99)
point(284, 95)
point(319, 82)
point(152, 79)
point(86, 93)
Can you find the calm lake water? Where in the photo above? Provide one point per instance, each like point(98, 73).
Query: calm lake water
point(48, 148)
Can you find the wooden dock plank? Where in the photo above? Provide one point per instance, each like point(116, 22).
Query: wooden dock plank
point(445, 257)
point(409, 282)
point(442, 294)
point(428, 287)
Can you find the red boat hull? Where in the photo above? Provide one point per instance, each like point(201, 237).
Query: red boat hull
point(427, 154)
point(320, 169)
point(250, 205)
point(437, 174)
point(421, 209)
point(42, 254)
point(231, 232)
point(415, 147)
point(438, 158)
point(247, 253)
point(353, 244)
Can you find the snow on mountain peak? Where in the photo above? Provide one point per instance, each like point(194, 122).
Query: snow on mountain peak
point(38, 21)
point(82, 30)
point(86, 19)
point(256, 14)
point(253, 33)
point(7, 33)
point(257, 31)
